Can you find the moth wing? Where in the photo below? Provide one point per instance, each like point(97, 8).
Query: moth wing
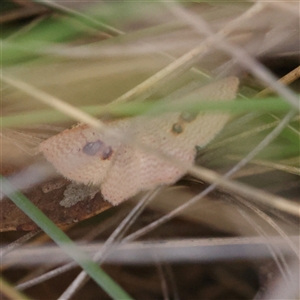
point(156, 133)
point(123, 178)
point(136, 170)
point(68, 153)
point(157, 171)
point(208, 124)
point(133, 171)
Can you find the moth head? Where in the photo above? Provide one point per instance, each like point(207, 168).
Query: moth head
point(80, 154)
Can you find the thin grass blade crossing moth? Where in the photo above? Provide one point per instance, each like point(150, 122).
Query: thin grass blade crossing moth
point(120, 170)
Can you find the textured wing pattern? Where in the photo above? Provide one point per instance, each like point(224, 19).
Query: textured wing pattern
point(121, 169)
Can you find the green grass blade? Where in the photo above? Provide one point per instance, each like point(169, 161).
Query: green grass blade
point(137, 108)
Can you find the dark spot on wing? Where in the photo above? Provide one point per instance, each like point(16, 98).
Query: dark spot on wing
point(183, 118)
point(177, 128)
point(97, 148)
point(187, 117)
point(107, 153)
point(93, 148)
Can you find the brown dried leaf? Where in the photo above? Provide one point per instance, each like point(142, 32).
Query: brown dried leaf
point(12, 218)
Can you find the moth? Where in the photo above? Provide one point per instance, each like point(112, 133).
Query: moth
point(121, 170)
